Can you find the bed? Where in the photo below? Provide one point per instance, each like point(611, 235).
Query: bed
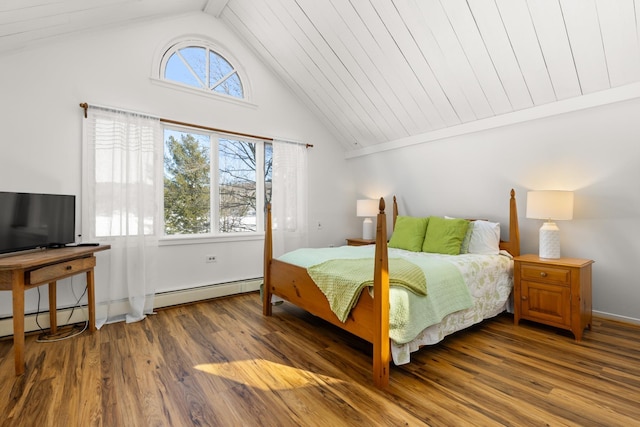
point(373, 315)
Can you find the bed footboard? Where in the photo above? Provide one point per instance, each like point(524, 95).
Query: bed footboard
point(369, 319)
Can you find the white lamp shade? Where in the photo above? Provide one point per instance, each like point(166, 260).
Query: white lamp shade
point(367, 208)
point(550, 204)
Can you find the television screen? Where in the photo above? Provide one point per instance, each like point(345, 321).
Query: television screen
point(29, 220)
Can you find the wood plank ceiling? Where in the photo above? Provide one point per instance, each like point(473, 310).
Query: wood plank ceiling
point(382, 70)
point(378, 71)
point(24, 22)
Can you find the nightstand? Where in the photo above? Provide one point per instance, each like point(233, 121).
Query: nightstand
point(556, 292)
point(360, 242)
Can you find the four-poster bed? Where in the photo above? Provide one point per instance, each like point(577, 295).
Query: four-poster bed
point(369, 318)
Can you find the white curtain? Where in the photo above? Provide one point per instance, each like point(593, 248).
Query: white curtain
point(289, 197)
point(122, 185)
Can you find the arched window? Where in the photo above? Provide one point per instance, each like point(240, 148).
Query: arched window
point(197, 65)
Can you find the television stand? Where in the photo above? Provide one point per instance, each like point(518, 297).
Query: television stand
point(25, 271)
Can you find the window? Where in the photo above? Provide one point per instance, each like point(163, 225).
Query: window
point(197, 65)
point(214, 184)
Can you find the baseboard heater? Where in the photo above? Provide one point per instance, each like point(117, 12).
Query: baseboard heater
point(161, 300)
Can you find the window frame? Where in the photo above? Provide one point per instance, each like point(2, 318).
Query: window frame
point(163, 55)
point(214, 234)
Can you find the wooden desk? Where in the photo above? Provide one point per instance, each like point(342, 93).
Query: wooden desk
point(25, 271)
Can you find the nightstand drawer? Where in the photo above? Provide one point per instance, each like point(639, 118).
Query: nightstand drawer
point(543, 273)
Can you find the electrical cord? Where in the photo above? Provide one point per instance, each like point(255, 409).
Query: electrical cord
point(49, 338)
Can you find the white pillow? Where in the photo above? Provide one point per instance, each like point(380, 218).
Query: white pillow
point(485, 238)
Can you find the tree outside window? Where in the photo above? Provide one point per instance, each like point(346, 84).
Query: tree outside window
point(187, 183)
point(199, 192)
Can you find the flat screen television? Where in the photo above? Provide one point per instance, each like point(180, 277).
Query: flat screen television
point(31, 220)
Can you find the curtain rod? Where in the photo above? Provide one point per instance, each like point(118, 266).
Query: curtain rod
point(85, 106)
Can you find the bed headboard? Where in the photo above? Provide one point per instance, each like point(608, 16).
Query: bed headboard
point(512, 245)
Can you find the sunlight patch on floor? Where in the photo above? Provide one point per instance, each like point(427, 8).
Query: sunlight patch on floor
point(266, 375)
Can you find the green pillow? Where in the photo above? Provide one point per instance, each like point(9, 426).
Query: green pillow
point(408, 233)
point(444, 236)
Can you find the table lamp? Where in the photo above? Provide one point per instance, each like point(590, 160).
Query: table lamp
point(367, 208)
point(550, 205)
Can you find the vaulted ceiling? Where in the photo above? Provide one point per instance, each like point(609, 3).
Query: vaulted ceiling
point(377, 71)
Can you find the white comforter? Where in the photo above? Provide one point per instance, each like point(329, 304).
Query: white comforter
point(489, 279)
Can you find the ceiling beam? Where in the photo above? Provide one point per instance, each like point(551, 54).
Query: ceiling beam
point(215, 7)
point(597, 99)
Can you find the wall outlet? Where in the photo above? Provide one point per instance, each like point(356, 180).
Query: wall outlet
point(210, 258)
point(319, 225)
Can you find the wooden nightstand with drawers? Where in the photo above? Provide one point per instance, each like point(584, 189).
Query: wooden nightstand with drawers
point(356, 241)
point(556, 292)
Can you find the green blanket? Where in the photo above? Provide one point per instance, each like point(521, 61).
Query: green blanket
point(409, 313)
point(342, 280)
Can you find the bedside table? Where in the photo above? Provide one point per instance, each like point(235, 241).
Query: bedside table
point(360, 242)
point(556, 292)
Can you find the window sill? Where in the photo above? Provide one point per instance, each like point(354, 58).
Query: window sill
point(210, 95)
point(202, 240)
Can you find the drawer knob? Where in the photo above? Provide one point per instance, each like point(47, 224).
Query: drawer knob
point(68, 267)
point(524, 297)
point(543, 274)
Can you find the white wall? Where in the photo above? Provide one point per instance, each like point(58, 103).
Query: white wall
point(595, 152)
point(42, 86)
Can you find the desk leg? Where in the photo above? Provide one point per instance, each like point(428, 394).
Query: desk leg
point(17, 280)
point(53, 306)
point(91, 300)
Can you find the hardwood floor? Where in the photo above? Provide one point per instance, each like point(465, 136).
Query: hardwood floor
point(221, 363)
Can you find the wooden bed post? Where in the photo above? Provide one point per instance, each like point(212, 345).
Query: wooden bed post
point(514, 229)
point(268, 256)
point(395, 212)
point(381, 345)
point(513, 244)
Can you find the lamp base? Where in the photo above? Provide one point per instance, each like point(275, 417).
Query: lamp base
point(549, 241)
point(367, 229)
